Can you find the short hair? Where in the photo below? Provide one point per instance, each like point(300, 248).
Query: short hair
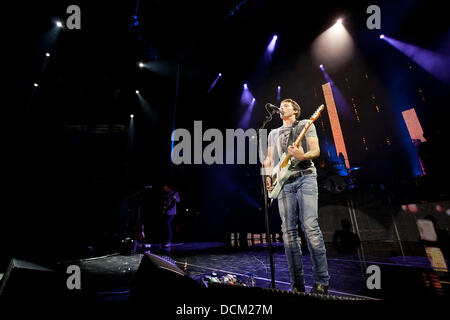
point(295, 106)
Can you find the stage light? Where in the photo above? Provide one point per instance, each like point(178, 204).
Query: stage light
point(59, 24)
point(137, 91)
point(214, 82)
point(382, 36)
point(47, 54)
point(270, 48)
point(247, 96)
point(321, 67)
point(333, 47)
point(250, 101)
point(36, 85)
point(433, 62)
point(141, 65)
point(131, 115)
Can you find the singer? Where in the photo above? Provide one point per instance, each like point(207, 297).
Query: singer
point(298, 199)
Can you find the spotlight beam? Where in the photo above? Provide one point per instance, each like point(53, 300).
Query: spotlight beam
point(434, 63)
point(333, 47)
point(214, 82)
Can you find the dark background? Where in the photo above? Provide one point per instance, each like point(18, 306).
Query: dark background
point(71, 171)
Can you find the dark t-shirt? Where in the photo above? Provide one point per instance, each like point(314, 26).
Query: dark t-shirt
point(171, 203)
point(280, 139)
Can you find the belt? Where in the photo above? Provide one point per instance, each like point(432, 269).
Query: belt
point(300, 174)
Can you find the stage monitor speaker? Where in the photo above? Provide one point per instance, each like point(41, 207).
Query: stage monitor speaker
point(161, 279)
point(30, 280)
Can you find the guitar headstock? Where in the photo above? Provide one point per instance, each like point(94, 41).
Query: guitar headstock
point(317, 113)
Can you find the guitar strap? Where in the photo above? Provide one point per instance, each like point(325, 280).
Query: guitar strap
point(292, 136)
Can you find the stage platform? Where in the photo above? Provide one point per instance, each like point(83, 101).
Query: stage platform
point(109, 277)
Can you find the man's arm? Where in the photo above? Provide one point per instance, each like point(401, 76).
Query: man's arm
point(268, 166)
point(268, 162)
point(313, 147)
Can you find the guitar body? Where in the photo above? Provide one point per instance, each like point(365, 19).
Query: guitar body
point(279, 177)
point(281, 172)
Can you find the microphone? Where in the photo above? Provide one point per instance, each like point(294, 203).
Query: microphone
point(274, 108)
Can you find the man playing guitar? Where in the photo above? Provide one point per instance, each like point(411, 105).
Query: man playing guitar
point(298, 199)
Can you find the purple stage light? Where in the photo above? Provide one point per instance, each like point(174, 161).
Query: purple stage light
point(382, 36)
point(321, 67)
point(247, 96)
point(245, 120)
point(271, 45)
point(214, 82)
point(266, 59)
point(435, 63)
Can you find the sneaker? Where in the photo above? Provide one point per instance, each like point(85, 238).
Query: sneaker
point(297, 288)
point(319, 289)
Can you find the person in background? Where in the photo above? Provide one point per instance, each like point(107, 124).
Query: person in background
point(171, 198)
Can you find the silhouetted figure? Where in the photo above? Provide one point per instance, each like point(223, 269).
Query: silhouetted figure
point(345, 240)
point(170, 210)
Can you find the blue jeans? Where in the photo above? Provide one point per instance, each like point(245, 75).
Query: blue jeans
point(299, 200)
point(169, 220)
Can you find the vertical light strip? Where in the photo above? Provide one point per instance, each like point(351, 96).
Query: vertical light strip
point(413, 125)
point(335, 124)
point(415, 129)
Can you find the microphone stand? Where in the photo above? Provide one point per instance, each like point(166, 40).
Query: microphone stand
point(266, 211)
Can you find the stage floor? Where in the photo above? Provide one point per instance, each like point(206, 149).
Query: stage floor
point(109, 277)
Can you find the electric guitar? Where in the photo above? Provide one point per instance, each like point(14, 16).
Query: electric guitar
point(282, 171)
